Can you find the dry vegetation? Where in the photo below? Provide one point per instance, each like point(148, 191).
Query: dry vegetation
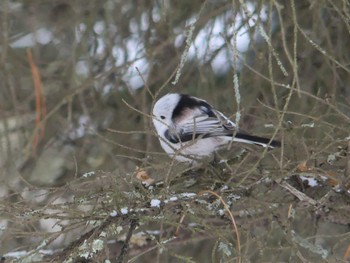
point(83, 178)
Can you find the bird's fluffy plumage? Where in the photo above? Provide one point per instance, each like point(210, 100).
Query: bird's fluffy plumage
point(189, 128)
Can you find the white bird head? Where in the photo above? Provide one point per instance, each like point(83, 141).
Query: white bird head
point(163, 112)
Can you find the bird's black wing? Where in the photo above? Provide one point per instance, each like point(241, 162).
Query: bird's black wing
point(209, 123)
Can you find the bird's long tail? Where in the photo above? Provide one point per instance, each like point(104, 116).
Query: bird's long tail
point(264, 142)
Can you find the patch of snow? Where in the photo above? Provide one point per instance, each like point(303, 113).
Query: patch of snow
point(88, 174)
point(113, 213)
point(155, 203)
point(312, 182)
point(124, 210)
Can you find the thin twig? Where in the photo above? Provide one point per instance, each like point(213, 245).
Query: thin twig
point(301, 196)
point(124, 250)
point(235, 228)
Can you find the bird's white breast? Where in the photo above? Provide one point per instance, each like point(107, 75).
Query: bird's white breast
point(197, 149)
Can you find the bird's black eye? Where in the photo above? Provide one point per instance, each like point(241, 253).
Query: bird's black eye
point(162, 117)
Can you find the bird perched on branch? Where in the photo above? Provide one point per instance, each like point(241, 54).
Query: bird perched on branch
point(190, 129)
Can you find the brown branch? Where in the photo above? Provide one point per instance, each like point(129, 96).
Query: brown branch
point(124, 250)
point(39, 100)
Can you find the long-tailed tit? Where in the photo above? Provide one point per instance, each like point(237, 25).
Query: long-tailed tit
point(190, 129)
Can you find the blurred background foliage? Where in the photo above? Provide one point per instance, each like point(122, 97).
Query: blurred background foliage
point(82, 101)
